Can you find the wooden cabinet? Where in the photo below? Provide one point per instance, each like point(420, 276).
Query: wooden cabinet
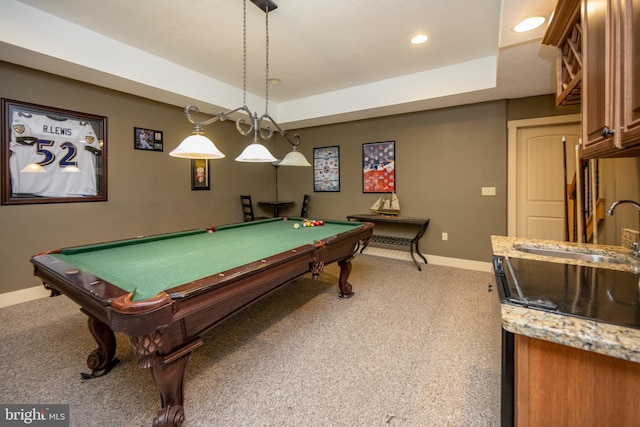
point(565, 32)
point(598, 66)
point(556, 385)
point(611, 92)
point(598, 136)
point(630, 73)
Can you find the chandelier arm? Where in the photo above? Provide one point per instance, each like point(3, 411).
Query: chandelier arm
point(252, 127)
point(241, 122)
point(295, 136)
point(267, 127)
point(221, 116)
point(268, 135)
point(226, 116)
point(280, 131)
point(187, 112)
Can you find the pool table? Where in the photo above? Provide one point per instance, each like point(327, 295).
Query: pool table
point(165, 291)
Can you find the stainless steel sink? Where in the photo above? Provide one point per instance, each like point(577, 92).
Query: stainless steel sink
point(579, 256)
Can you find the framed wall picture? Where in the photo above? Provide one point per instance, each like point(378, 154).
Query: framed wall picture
point(326, 169)
point(379, 167)
point(147, 139)
point(51, 155)
point(200, 174)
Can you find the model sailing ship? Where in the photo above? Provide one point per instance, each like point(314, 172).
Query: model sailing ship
point(387, 205)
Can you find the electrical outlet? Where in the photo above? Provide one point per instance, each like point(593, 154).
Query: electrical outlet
point(445, 236)
point(488, 191)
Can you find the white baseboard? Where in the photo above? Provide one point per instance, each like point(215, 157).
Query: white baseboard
point(465, 264)
point(431, 259)
point(23, 295)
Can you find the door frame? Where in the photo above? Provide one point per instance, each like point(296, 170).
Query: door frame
point(513, 127)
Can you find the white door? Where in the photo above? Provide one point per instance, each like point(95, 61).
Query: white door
point(541, 181)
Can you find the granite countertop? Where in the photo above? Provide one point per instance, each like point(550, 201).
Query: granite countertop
point(592, 335)
point(508, 246)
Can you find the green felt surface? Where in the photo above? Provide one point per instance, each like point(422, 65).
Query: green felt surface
point(149, 265)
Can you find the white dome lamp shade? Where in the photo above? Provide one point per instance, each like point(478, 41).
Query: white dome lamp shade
point(256, 153)
point(197, 146)
point(294, 158)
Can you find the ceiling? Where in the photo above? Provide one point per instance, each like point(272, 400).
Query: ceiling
point(336, 60)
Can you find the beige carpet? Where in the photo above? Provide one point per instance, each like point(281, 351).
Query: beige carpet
point(409, 349)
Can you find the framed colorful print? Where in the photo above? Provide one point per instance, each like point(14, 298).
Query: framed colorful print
point(379, 167)
point(326, 169)
point(147, 139)
point(200, 174)
point(51, 155)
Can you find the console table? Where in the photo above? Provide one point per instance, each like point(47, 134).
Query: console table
point(421, 223)
point(275, 206)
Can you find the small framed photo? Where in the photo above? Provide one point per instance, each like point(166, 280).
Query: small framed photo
point(379, 167)
point(147, 139)
point(326, 169)
point(200, 174)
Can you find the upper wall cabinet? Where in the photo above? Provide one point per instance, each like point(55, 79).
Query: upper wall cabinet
point(565, 32)
point(611, 96)
point(599, 66)
point(630, 73)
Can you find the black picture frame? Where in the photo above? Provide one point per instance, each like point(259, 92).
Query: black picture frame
point(52, 155)
point(200, 179)
point(326, 169)
point(147, 139)
point(379, 167)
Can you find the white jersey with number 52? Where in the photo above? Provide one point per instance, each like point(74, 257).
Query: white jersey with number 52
point(55, 145)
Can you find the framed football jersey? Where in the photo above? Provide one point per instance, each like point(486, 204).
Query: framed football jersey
point(51, 155)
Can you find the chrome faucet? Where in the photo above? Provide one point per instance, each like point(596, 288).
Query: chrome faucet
point(635, 246)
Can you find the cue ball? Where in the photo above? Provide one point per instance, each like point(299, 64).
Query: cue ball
point(296, 225)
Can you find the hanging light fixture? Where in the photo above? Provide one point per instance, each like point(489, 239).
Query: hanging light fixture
point(198, 146)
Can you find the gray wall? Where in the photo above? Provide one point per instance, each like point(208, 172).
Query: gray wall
point(443, 159)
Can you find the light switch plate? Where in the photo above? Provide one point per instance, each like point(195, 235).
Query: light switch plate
point(488, 191)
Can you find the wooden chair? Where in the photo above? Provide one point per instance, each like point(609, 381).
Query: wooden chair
point(247, 208)
point(305, 206)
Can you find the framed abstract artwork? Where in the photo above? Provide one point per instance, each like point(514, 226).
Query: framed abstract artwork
point(326, 169)
point(379, 167)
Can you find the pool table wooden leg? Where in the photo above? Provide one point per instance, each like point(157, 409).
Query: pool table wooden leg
point(101, 360)
point(169, 379)
point(345, 269)
point(168, 372)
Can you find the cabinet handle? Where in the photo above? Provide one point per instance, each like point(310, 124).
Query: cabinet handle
point(607, 132)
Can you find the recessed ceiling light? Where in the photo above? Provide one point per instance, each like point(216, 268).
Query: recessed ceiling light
point(529, 24)
point(419, 39)
point(274, 81)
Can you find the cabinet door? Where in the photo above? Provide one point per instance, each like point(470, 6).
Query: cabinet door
point(598, 77)
point(558, 386)
point(630, 86)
